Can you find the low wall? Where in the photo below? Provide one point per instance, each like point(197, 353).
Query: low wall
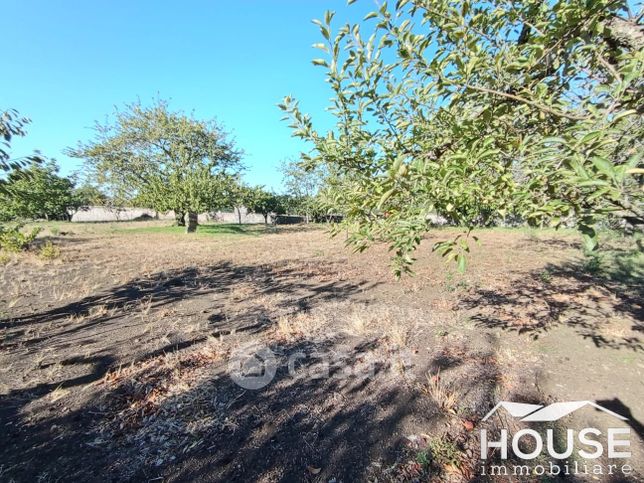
point(91, 214)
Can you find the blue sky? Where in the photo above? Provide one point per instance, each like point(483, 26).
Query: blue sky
point(67, 64)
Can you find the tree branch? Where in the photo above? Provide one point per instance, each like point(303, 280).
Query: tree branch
point(523, 100)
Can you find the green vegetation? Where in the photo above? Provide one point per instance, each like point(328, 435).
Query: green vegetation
point(621, 260)
point(265, 202)
point(15, 239)
point(163, 160)
point(11, 125)
point(49, 251)
point(480, 112)
point(36, 192)
point(204, 229)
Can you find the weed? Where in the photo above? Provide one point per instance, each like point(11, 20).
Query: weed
point(54, 230)
point(294, 327)
point(545, 276)
point(4, 258)
point(398, 335)
point(463, 285)
point(449, 282)
point(592, 263)
point(359, 324)
point(444, 396)
point(49, 251)
point(423, 458)
point(13, 239)
point(444, 452)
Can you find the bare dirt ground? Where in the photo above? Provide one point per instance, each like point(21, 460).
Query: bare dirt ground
point(114, 358)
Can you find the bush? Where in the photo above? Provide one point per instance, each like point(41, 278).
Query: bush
point(49, 251)
point(13, 239)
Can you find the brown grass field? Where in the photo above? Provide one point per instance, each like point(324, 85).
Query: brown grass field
point(114, 356)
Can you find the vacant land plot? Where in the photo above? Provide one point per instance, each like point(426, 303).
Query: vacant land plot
point(115, 357)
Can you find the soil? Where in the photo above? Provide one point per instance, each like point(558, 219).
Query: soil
point(115, 359)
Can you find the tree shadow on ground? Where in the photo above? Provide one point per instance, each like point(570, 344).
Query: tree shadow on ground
point(111, 310)
point(566, 294)
point(108, 326)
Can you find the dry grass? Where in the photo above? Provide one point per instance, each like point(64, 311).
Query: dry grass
point(299, 326)
point(445, 397)
point(165, 398)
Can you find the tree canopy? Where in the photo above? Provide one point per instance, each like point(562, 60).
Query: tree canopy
point(264, 202)
point(478, 111)
point(165, 160)
point(36, 191)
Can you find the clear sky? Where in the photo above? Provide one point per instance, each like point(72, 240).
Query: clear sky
point(66, 64)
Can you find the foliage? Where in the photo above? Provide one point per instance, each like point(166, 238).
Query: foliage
point(49, 251)
point(165, 160)
point(478, 111)
point(11, 124)
point(89, 195)
point(444, 452)
point(303, 184)
point(265, 202)
point(36, 191)
point(14, 239)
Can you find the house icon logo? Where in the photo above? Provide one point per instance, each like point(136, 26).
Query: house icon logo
point(252, 367)
point(552, 412)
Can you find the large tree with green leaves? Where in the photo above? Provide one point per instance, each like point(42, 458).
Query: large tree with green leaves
point(477, 110)
point(165, 160)
point(36, 191)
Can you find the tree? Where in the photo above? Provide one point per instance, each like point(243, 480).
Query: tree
point(477, 110)
point(238, 196)
point(89, 195)
point(37, 192)
point(11, 124)
point(264, 202)
point(303, 183)
point(165, 160)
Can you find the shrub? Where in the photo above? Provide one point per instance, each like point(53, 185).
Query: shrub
point(49, 251)
point(13, 239)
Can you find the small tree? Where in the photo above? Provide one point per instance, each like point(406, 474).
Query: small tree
point(265, 202)
point(37, 192)
point(165, 160)
point(303, 183)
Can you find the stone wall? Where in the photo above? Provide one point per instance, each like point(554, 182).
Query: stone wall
point(90, 214)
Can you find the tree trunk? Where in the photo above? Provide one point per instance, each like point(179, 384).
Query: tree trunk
point(191, 227)
point(265, 218)
point(239, 215)
point(180, 218)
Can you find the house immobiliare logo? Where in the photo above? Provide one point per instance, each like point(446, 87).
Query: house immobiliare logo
point(561, 451)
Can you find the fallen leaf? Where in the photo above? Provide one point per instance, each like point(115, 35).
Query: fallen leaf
point(468, 425)
point(313, 470)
